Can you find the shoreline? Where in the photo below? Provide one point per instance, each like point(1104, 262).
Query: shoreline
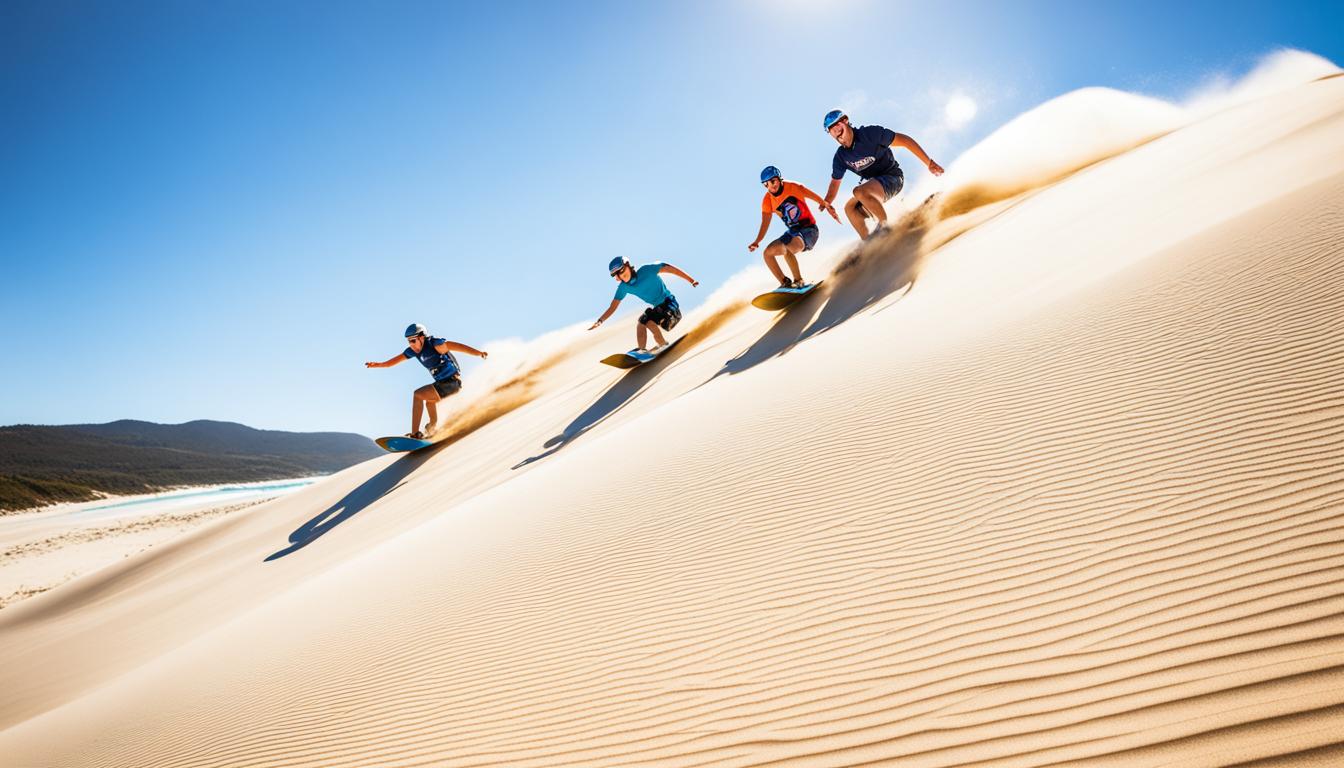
point(111, 500)
point(44, 548)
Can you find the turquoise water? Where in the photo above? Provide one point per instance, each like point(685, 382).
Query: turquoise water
point(224, 492)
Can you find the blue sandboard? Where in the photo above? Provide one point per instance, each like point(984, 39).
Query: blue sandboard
point(778, 299)
point(634, 357)
point(401, 443)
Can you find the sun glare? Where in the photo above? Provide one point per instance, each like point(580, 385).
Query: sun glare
point(959, 111)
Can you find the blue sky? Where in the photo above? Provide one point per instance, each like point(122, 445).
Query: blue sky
point(221, 210)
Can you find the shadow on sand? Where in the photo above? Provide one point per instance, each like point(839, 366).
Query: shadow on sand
point(369, 491)
point(635, 381)
point(877, 269)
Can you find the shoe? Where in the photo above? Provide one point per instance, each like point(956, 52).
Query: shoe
point(798, 284)
point(417, 435)
point(429, 430)
point(786, 283)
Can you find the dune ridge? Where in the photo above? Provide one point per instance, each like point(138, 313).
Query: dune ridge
point(1057, 481)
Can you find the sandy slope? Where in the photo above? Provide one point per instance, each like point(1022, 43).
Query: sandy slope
point(1074, 496)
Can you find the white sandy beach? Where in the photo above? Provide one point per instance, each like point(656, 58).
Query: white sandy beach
point(1055, 481)
point(42, 549)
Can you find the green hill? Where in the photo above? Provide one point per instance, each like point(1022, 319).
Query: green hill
point(48, 464)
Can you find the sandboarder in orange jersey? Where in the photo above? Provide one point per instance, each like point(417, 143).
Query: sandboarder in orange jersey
point(789, 201)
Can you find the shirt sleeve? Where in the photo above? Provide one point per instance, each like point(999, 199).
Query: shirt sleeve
point(837, 167)
point(407, 353)
point(765, 204)
point(620, 292)
point(883, 136)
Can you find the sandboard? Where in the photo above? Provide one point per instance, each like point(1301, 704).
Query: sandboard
point(781, 298)
point(401, 443)
point(635, 358)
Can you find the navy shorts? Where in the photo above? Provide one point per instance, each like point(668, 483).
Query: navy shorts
point(665, 315)
point(448, 386)
point(891, 184)
point(807, 234)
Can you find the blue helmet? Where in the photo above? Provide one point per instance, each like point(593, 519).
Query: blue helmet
point(770, 172)
point(832, 117)
point(415, 329)
point(617, 263)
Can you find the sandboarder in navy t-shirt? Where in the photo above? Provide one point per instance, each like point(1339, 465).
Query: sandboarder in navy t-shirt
point(870, 155)
point(436, 354)
point(866, 151)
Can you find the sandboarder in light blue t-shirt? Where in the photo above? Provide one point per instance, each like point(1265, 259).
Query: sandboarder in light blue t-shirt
point(647, 283)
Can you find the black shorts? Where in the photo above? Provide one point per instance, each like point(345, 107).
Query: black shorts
point(665, 315)
point(448, 386)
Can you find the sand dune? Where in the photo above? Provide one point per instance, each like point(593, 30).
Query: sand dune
point(1056, 480)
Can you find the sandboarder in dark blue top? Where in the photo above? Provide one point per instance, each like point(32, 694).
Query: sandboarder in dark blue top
point(866, 151)
point(647, 283)
point(435, 354)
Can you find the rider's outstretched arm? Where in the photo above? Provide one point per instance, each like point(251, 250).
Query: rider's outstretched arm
point(614, 304)
point(386, 363)
point(822, 203)
point(765, 224)
point(673, 270)
point(454, 346)
point(910, 144)
point(832, 191)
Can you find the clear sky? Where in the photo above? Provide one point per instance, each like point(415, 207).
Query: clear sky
point(221, 210)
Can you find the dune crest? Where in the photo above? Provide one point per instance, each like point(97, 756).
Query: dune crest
point(1066, 134)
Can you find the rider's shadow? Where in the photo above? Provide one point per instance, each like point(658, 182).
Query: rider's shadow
point(369, 491)
point(786, 331)
point(614, 399)
point(875, 275)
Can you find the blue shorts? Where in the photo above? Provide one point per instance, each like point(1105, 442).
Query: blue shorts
point(891, 184)
point(807, 234)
